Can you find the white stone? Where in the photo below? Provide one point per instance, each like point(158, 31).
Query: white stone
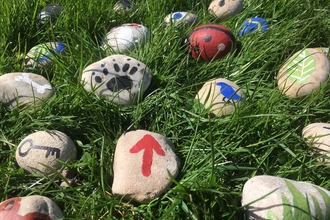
point(24, 88)
point(141, 165)
point(318, 134)
point(119, 78)
point(220, 96)
point(45, 148)
point(225, 9)
point(303, 73)
point(269, 197)
point(182, 20)
point(126, 38)
point(29, 207)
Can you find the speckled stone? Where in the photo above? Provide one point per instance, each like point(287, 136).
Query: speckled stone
point(45, 147)
point(269, 197)
point(142, 162)
point(126, 38)
point(225, 9)
point(119, 78)
point(303, 73)
point(30, 208)
point(318, 134)
point(24, 88)
point(220, 96)
point(43, 55)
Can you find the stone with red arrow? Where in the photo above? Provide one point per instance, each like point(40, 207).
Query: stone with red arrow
point(142, 163)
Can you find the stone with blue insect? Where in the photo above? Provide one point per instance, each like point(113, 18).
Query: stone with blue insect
point(24, 88)
point(181, 20)
point(318, 135)
point(270, 197)
point(44, 152)
point(252, 25)
point(43, 55)
point(49, 14)
point(220, 96)
point(304, 72)
point(225, 9)
point(119, 78)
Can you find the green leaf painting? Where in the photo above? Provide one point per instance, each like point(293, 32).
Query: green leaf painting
point(300, 208)
point(301, 67)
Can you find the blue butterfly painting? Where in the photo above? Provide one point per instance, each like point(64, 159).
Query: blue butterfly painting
point(228, 92)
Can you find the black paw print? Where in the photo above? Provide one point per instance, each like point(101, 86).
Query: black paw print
point(118, 82)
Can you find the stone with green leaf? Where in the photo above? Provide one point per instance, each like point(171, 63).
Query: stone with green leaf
point(269, 197)
point(303, 73)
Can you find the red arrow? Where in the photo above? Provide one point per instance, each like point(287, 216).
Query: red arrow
point(149, 144)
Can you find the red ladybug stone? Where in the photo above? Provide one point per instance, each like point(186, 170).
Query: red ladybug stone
point(211, 41)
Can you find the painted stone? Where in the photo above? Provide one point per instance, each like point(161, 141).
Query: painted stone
point(24, 88)
point(29, 208)
point(182, 20)
point(318, 134)
point(211, 41)
point(42, 55)
point(252, 25)
point(324, 50)
point(49, 13)
point(141, 165)
point(225, 9)
point(119, 78)
point(124, 6)
point(220, 96)
point(269, 197)
point(303, 73)
point(126, 38)
point(45, 148)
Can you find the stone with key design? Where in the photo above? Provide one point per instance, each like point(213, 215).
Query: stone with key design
point(45, 148)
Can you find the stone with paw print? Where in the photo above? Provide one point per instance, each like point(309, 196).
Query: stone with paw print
point(119, 78)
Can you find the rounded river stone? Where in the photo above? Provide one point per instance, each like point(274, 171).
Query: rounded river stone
point(42, 55)
point(126, 37)
point(181, 20)
point(220, 96)
point(24, 88)
point(318, 134)
point(30, 208)
point(142, 163)
point(225, 9)
point(303, 73)
point(269, 197)
point(45, 148)
point(121, 79)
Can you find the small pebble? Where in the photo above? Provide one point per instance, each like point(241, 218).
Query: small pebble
point(119, 78)
point(45, 147)
point(30, 208)
point(269, 197)
point(24, 88)
point(220, 96)
point(141, 165)
point(49, 13)
point(303, 73)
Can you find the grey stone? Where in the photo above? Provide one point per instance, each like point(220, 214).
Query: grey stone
point(126, 38)
point(182, 20)
point(24, 88)
point(141, 165)
point(303, 73)
point(45, 148)
point(119, 78)
point(220, 96)
point(29, 207)
point(318, 134)
point(225, 9)
point(269, 197)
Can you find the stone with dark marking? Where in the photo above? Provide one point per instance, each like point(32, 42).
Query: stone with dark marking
point(225, 9)
point(33, 207)
point(21, 88)
point(43, 149)
point(207, 38)
point(124, 81)
point(181, 20)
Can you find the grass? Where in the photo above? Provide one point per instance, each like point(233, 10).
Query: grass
point(218, 155)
